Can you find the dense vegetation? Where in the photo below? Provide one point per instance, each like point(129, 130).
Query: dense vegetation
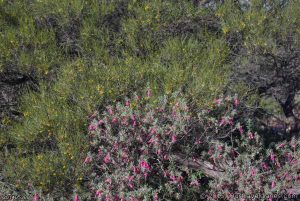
point(231, 70)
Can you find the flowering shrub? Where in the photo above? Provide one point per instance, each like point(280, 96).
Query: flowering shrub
point(141, 150)
point(245, 168)
point(132, 147)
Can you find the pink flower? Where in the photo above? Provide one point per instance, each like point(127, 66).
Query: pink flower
point(272, 157)
point(136, 97)
point(108, 180)
point(36, 197)
point(273, 184)
point(251, 136)
point(144, 165)
point(98, 194)
point(194, 183)
point(76, 198)
point(107, 198)
point(107, 158)
point(110, 111)
point(174, 138)
point(218, 101)
point(180, 179)
point(166, 173)
point(253, 172)
point(223, 122)
point(148, 93)
point(220, 148)
point(155, 197)
point(114, 120)
point(145, 175)
point(173, 178)
point(241, 129)
point(127, 103)
point(265, 166)
point(99, 152)
point(236, 102)
point(281, 145)
point(100, 122)
point(92, 127)
point(135, 170)
point(88, 160)
point(166, 157)
point(130, 178)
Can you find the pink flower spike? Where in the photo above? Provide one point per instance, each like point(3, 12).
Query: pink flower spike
point(98, 194)
point(236, 102)
point(92, 127)
point(148, 93)
point(144, 165)
point(127, 103)
point(110, 111)
point(174, 138)
point(251, 135)
point(36, 197)
point(100, 122)
point(107, 158)
point(194, 183)
point(272, 157)
point(76, 198)
point(155, 197)
point(88, 160)
point(217, 101)
point(114, 120)
point(281, 145)
point(241, 129)
point(273, 184)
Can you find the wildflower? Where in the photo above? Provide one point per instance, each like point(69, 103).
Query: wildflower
point(127, 103)
point(110, 111)
point(253, 172)
point(109, 181)
point(173, 178)
point(265, 166)
point(100, 122)
point(155, 197)
point(281, 145)
point(241, 129)
point(194, 183)
point(92, 127)
point(251, 136)
point(166, 173)
point(114, 120)
point(76, 198)
point(222, 122)
point(36, 197)
point(236, 102)
point(218, 101)
point(88, 160)
point(98, 194)
point(174, 138)
point(99, 152)
point(273, 184)
point(144, 165)
point(272, 157)
point(107, 158)
point(148, 93)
